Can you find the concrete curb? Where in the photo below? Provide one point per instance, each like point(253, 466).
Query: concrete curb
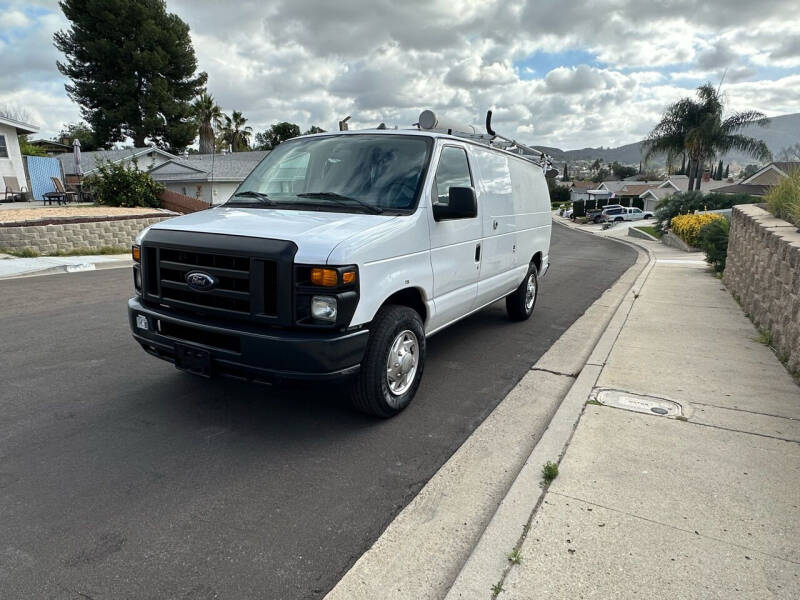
point(70, 268)
point(423, 551)
point(488, 562)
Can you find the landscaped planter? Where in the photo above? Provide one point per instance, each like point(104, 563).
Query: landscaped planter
point(763, 274)
point(672, 240)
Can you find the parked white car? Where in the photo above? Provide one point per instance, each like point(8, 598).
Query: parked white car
point(622, 213)
point(339, 255)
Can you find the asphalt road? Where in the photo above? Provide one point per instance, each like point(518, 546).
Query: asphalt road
point(122, 478)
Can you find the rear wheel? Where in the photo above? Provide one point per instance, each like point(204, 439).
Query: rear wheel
point(618, 220)
point(393, 362)
point(521, 302)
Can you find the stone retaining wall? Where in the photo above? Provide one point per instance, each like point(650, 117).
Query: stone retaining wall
point(72, 234)
point(763, 274)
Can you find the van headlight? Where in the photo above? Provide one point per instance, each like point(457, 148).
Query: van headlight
point(324, 308)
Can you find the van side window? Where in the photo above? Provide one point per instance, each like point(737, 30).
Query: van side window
point(453, 171)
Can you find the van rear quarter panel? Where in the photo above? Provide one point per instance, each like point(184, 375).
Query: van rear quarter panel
point(532, 209)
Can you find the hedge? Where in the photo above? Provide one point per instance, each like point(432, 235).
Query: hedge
point(687, 227)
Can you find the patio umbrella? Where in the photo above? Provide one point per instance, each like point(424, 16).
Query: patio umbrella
point(76, 156)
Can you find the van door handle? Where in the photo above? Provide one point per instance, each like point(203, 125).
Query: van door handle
point(478, 253)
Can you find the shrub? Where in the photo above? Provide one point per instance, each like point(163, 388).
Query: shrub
point(118, 184)
point(687, 227)
point(713, 240)
point(783, 200)
point(688, 202)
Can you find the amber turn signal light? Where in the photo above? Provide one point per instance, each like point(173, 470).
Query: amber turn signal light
point(325, 277)
point(136, 253)
point(348, 277)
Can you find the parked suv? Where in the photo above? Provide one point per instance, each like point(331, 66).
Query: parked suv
point(339, 255)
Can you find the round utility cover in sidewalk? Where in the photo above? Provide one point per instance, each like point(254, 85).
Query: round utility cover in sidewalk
point(638, 403)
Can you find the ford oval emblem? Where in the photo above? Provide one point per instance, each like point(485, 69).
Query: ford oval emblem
point(197, 280)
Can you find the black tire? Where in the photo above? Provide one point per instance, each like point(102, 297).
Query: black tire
point(370, 392)
point(597, 219)
point(516, 302)
point(618, 220)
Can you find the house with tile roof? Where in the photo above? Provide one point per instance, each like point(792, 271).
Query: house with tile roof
point(211, 178)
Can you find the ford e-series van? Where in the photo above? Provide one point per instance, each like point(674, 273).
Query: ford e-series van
point(339, 255)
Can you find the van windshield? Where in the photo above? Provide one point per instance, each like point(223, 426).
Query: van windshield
point(356, 173)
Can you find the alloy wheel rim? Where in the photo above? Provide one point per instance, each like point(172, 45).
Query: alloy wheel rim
point(402, 363)
point(530, 292)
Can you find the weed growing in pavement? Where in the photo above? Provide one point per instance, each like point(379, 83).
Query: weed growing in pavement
point(496, 589)
point(549, 471)
point(594, 402)
point(765, 338)
point(514, 557)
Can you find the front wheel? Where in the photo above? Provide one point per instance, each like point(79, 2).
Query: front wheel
point(393, 361)
point(520, 303)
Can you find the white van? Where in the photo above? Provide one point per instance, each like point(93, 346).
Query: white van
point(339, 254)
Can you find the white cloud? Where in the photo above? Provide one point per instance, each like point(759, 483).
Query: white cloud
point(315, 62)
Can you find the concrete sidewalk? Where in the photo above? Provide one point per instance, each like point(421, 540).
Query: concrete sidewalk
point(42, 265)
point(704, 504)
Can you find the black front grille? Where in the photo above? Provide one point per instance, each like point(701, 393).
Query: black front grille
point(232, 273)
point(199, 336)
point(252, 276)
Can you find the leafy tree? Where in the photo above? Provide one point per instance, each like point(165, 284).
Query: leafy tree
point(132, 69)
point(27, 149)
point(749, 170)
point(696, 126)
point(120, 184)
point(80, 131)
point(314, 129)
point(601, 175)
point(235, 134)
point(622, 171)
point(279, 132)
point(558, 193)
point(596, 164)
point(208, 115)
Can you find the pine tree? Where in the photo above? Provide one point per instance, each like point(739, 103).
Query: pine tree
point(565, 177)
point(727, 170)
point(719, 171)
point(132, 69)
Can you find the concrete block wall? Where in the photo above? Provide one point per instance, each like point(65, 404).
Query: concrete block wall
point(763, 274)
point(71, 235)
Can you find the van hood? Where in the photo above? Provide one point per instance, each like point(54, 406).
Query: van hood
point(315, 233)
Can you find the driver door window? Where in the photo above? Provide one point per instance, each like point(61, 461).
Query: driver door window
point(453, 171)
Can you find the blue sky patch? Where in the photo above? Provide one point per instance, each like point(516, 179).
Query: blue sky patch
point(538, 64)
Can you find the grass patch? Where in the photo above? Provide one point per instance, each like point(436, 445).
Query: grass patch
point(594, 402)
point(21, 253)
point(103, 250)
point(549, 471)
point(514, 557)
point(765, 337)
point(650, 229)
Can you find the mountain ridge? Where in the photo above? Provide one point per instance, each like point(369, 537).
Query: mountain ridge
point(781, 132)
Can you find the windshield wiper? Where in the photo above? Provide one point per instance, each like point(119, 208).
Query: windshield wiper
point(260, 196)
point(376, 210)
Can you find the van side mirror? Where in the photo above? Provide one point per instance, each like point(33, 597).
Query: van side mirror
point(462, 204)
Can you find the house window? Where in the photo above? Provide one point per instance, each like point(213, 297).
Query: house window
point(3, 147)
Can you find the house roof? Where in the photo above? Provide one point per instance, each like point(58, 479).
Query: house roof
point(659, 193)
point(90, 161)
point(22, 128)
point(743, 188)
point(783, 167)
point(682, 183)
point(203, 167)
point(637, 189)
point(584, 185)
point(612, 185)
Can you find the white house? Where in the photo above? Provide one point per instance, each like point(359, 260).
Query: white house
point(211, 178)
point(10, 157)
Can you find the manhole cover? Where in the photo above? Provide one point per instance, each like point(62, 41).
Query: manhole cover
point(639, 403)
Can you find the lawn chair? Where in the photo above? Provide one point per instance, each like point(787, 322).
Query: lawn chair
point(13, 190)
point(68, 196)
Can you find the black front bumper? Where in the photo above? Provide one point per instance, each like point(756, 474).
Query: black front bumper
point(251, 352)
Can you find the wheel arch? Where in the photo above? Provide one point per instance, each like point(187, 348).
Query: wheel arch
point(412, 297)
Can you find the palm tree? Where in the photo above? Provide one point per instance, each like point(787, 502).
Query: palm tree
point(235, 135)
point(697, 128)
point(208, 115)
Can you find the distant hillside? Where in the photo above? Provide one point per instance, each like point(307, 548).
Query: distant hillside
point(781, 132)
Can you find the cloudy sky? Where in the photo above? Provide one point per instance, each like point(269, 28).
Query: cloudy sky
point(566, 74)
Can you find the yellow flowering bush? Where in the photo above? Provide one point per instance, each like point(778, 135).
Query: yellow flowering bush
point(687, 227)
